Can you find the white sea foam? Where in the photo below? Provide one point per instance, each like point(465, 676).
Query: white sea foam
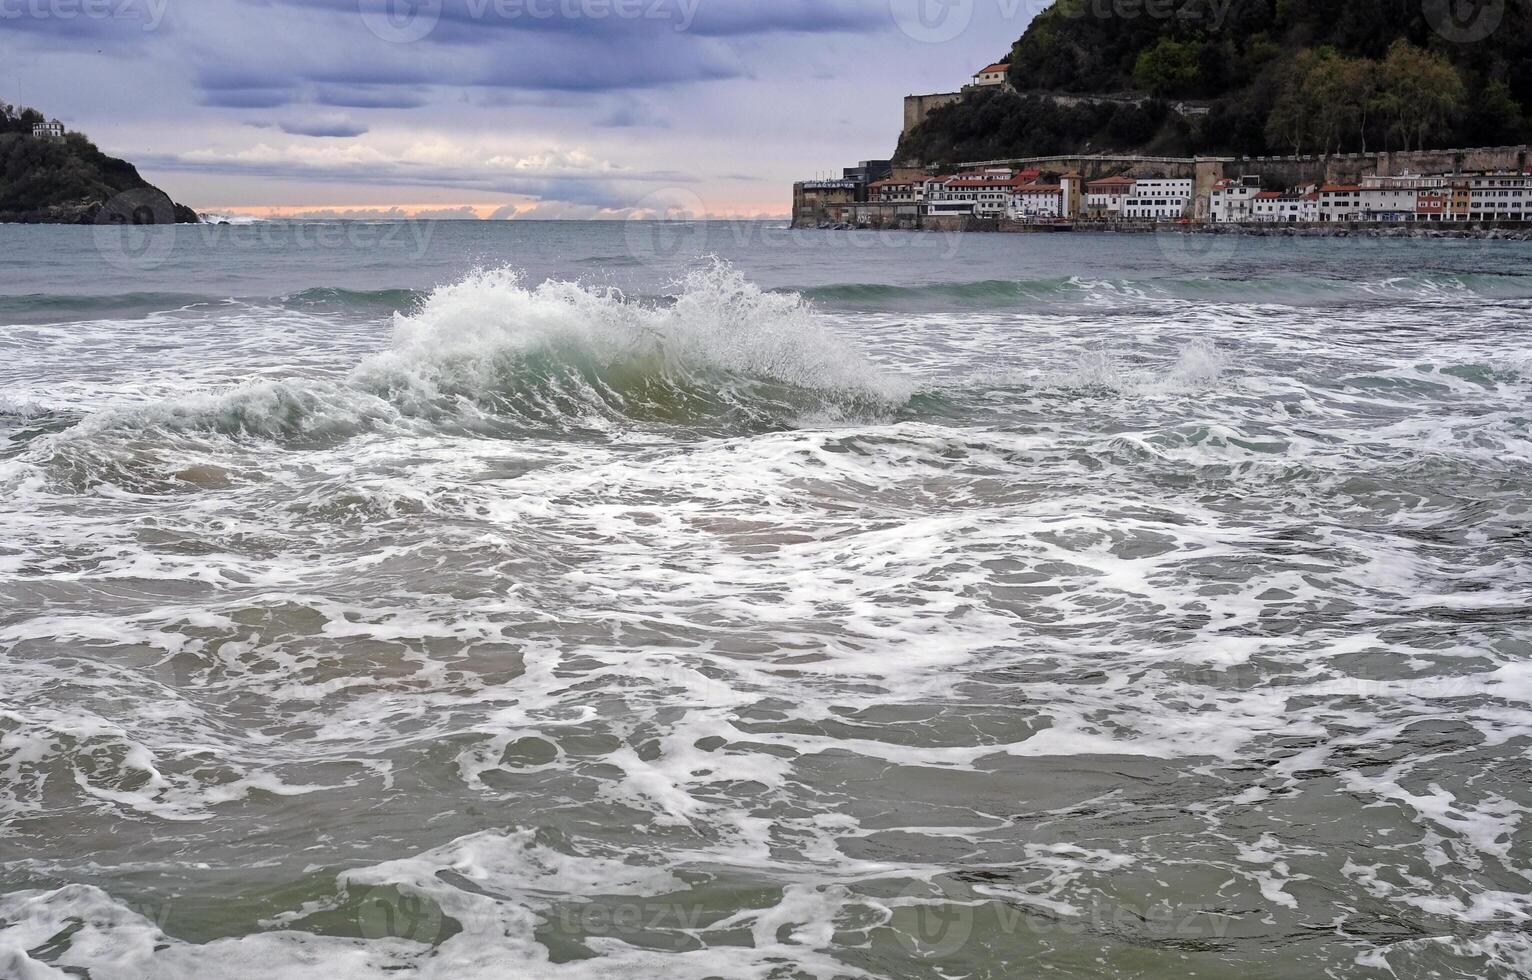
point(1223, 608)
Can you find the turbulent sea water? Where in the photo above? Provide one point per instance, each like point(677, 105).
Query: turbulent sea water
point(602, 600)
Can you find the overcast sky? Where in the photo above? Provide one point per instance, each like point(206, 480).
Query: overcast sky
point(548, 108)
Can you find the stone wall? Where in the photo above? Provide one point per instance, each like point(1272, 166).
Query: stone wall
point(918, 107)
point(1281, 171)
point(1102, 165)
point(1290, 171)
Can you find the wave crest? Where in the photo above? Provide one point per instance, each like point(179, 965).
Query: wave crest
point(489, 355)
point(561, 354)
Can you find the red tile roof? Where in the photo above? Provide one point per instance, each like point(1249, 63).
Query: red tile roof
point(994, 67)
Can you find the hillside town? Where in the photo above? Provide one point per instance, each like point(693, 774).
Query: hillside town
point(878, 194)
point(1125, 191)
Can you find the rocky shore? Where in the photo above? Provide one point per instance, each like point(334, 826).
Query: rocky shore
point(145, 206)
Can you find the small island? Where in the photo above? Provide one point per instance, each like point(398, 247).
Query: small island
point(51, 176)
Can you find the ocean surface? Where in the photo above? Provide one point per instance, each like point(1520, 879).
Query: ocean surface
point(483, 600)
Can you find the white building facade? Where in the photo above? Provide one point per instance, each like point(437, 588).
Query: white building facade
point(1499, 197)
point(1158, 199)
point(992, 75)
point(1231, 200)
point(1037, 201)
point(1104, 198)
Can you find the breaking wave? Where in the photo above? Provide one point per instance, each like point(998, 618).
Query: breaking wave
point(490, 355)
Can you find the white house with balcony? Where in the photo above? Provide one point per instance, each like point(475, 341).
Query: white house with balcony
point(49, 130)
point(1232, 200)
point(1104, 198)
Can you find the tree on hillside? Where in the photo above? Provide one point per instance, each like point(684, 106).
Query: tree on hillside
point(1282, 76)
point(1291, 123)
point(1496, 117)
point(1168, 68)
point(1359, 82)
point(1421, 92)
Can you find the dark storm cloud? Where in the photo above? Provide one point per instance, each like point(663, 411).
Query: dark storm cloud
point(247, 98)
point(511, 98)
point(335, 126)
point(479, 21)
point(567, 68)
point(351, 67)
point(371, 96)
point(338, 129)
point(633, 116)
point(245, 54)
point(727, 19)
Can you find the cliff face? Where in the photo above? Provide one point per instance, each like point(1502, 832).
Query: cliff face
point(68, 180)
point(1262, 76)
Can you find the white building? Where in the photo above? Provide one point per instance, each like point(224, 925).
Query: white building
point(1158, 199)
point(1104, 198)
point(1275, 207)
point(1231, 200)
point(49, 130)
point(989, 190)
point(1037, 201)
point(895, 191)
point(937, 209)
point(993, 75)
point(1499, 197)
point(1396, 197)
point(1340, 202)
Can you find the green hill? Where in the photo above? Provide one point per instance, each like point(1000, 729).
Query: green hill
point(69, 181)
point(1274, 76)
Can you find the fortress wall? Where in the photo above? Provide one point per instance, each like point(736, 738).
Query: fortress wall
point(1282, 171)
point(918, 107)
